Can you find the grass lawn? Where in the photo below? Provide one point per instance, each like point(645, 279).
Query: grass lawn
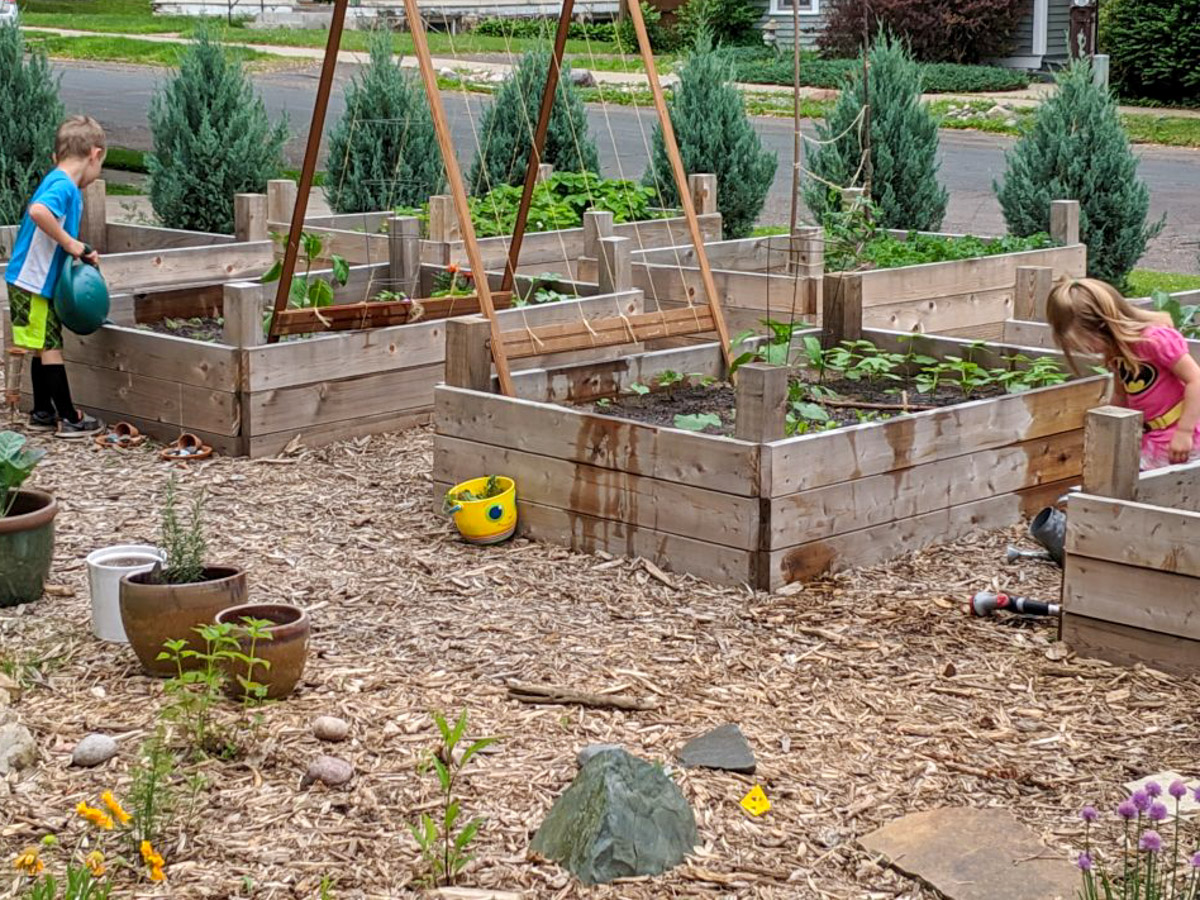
point(123, 190)
point(108, 48)
point(1142, 282)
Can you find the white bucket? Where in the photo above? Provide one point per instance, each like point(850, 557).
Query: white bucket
point(104, 580)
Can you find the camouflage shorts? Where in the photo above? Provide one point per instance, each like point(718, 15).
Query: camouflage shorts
point(34, 323)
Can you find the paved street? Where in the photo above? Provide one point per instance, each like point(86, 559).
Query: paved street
point(120, 96)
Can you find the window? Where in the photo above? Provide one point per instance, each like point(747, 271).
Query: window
point(807, 7)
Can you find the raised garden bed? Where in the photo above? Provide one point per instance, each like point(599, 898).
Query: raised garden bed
point(1132, 570)
point(760, 508)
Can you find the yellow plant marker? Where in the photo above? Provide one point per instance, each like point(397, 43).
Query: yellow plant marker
point(756, 802)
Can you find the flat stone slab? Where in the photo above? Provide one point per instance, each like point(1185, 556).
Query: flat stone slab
point(974, 854)
point(1188, 806)
point(722, 748)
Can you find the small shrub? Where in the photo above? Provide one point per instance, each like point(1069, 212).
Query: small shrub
point(597, 32)
point(904, 145)
point(732, 23)
point(1077, 150)
point(212, 139)
point(384, 150)
point(960, 31)
point(507, 127)
point(714, 136)
point(1154, 48)
point(29, 115)
point(663, 39)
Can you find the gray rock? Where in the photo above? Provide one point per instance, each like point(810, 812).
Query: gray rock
point(328, 770)
point(583, 78)
point(94, 750)
point(331, 728)
point(585, 755)
point(621, 817)
point(722, 748)
point(17, 748)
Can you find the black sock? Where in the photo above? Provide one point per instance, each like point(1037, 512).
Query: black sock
point(42, 402)
point(56, 379)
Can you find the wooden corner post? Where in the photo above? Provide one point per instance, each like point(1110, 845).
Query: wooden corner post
point(458, 191)
point(1064, 221)
point(1112, 452)
point(615, 267)
point(404, 254)
point(762, 393)
point(250, 217)
point(468, 354)
point(242, 312)
point(703, 188)
point(841, 308)
point(1031, 291)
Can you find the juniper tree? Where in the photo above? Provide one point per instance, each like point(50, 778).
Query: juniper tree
point(30, 112)
point(383, 152)
point(1076, 149)
point(903, 141)
point(212, 139)
point(714, 136)
point(507, 126)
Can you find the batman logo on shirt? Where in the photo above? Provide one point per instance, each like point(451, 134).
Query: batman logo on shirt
point(1136, 382)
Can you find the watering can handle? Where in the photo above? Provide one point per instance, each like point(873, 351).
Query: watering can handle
point(454, 509)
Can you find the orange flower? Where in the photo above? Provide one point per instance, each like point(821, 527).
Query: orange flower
point(452, 268)
point(151, 858)
point(97, 817)
point(157, 874)
point(95, 863)
point(29, 862)
point(115, 808)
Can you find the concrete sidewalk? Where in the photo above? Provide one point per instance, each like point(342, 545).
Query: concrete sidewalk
point(1027, 97)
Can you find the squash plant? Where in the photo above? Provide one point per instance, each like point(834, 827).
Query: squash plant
point(307, 291)
point(16, 464)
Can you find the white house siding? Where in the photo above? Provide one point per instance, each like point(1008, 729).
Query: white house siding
point(812, 20)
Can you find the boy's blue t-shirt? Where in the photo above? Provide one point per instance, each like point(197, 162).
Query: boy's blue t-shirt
point(37, 258)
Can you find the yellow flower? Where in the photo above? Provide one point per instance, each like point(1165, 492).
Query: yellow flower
point(29, 862)
point(115, 808)
point(95, 863)
point(151, 858)
point(157, 874)
point(97, 817)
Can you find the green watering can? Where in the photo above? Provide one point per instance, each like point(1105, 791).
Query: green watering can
point(81, 296)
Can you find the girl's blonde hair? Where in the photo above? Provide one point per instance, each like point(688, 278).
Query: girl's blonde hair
point(1080, 307)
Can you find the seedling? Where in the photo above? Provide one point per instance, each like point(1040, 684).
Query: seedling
point(638, 388)
point(698, 422)
point(491, 489)
point(669, 378)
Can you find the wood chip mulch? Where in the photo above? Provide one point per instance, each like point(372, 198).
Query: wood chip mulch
point(865, 696)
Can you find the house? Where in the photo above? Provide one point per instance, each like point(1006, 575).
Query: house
point(1039, 42)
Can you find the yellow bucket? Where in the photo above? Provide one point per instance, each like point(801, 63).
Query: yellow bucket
point(487, 521)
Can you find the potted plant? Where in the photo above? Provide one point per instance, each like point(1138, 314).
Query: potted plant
point(484, 509)
point(26, 524)
point(167, 602)
point(273, 643)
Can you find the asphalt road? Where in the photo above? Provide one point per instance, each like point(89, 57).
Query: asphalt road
point(119, 97)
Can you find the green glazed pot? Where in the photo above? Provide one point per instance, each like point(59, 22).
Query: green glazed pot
point(26, 547)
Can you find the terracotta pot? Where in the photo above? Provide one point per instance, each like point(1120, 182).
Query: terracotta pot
point(155, 613)
point(286, 651)
point(26, 546)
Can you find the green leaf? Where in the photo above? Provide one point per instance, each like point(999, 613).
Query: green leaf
point(341, 269)
point(443, 773)
point(811, 411)
point(639, 389)
point(457, 732)
point(273, 273)
point(698, 422)
point(320, 294)
point(312, 245)
point(450, 816)
point(476, 747)
point(468, 833)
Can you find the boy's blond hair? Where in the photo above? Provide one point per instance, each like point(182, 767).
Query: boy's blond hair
point(77, 137)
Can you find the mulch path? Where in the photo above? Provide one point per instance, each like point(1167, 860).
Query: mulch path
point(865, 696)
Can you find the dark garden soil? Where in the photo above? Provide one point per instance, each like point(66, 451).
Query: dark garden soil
point(197, 329)
point(662, 405)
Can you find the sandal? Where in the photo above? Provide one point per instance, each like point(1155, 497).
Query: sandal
point(187, 448)
point(122, 437)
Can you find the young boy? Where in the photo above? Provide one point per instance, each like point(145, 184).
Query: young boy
point(48, 235)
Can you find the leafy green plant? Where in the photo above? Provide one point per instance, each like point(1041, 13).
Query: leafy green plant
point(1152, 45)
point(968, 376)
point(30, 111)
point(669, 378)
point(491, 488)
point(730, 22)
point(308, 291)
point(444, 849)
point(1183, 317)
point(662, 38)
point(1025, 374)
point(560, 202)
point(195, 692)
point(803, 417)
point(714, 135)
point(698, 421)
point(16, 464)
point(776, 351)
point(212, 139)
point(638, 388)
point(540, 291)
point(151, 796)
point(254, 630)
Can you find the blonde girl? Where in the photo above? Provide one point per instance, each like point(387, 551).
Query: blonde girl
point(1153, 371)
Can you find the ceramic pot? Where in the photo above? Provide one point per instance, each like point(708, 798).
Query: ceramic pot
point(153, 614)
point(26, 547)
point(106, 567)
point(286, 650)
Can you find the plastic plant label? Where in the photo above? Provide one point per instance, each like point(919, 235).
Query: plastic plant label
point(756, 802)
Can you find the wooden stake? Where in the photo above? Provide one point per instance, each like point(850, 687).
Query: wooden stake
point(597, 224)
point(762, 393)
point(1112, 452)
point(443, 222)
point(533, 168)
point(404, 254)
point(316, 131)
point(454, 176)
point(685, 199)
point(615, 269)
point(468, 356)
point(250, 217)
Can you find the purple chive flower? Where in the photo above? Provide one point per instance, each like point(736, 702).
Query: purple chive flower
point(1089, 814)
point(1158, 811)
point(1196, 861)
point(1085, 862)
point(1196, 794)
point(1178, 789)
point(1154, 789)
point(1141, 799)
point(1151, 842)
point(1127, 810)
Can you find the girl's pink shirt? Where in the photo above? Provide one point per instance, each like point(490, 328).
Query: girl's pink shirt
point(1154, 389)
